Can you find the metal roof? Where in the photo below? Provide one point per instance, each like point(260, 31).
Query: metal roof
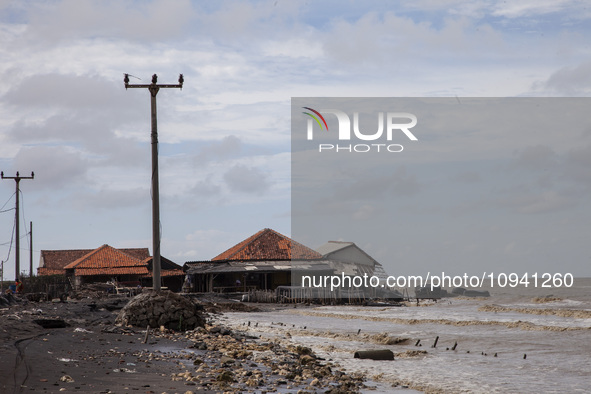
point(258, 266)
point(332, 246)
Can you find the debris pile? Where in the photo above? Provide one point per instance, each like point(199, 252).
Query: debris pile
point(163, 308)
point(230, 361)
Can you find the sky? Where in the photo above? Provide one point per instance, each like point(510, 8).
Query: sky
point(485, 185)
point(225, 137)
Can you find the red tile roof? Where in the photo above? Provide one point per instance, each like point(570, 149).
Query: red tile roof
point(105, 260)
point(112, 271)
point(163, 273)
point(54, 261)
point(105, 257)
point(268, 244)
point(167, 267)
point(49, 271)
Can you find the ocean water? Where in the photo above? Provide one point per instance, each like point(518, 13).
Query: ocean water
point(541, 339)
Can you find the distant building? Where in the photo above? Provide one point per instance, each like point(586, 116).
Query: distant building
point(349, 259)
point(52, 262)
point(127, 266)
point(265, 261)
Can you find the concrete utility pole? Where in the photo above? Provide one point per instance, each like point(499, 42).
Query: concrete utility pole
point(154, 88)
point(30, 249)
point(17, 179)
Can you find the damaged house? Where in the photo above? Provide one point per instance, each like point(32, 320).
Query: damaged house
point(348, 259)
point(130, 267)
point(264, 261)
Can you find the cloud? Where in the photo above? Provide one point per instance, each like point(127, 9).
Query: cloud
point(246, 179)
point(86, 112)
point(529, 8)
point(229, 146)
point(467, 177)
point(54, 166)
point(206, 243)
point(365, 212)
point(536, 203)
point(54, 90)
point(537, 158)
point(205, 190)
point(577, 163)
point(397, 183)
point(575, 81)
point(156, 20)
point(378, 40)
point(109, 199)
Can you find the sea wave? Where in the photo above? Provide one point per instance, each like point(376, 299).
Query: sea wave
point(510, 324)
point(573, 313)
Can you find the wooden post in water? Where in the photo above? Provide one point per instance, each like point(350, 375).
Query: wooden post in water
point(435, 343)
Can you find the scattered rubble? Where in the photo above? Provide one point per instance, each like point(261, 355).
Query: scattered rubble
point(238, 362)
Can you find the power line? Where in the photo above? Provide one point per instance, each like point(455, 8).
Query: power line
point(7, 201)
point(17, 180)
point(11, 239)
point(24, 218)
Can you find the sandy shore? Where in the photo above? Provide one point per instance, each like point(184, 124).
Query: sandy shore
point(91, 354)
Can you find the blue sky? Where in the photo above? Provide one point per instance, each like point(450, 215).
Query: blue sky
point(225, 138)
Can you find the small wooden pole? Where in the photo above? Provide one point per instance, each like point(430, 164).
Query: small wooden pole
point(435, 343)
point(147, 334)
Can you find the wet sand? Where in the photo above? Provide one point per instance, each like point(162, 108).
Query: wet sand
point(93, 355)
point(34, 359)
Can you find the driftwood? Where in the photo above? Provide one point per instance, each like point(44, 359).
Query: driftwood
point(375, 354)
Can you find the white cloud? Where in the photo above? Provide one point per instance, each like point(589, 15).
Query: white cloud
point(246, 180)
point(54, 166)
point(523, 8)
point(73, 19)
point(571, 81)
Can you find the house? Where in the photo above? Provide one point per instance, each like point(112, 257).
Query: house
point(348, 259)
point(52, 262)
point(265, 261)
point(106, 263)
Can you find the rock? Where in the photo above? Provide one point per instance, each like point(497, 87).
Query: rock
point(216, 329)
point(302, 350)
point(304, 360)
point(67, 379)
point(225, 376)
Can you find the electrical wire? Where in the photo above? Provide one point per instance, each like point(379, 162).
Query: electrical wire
point(11, 240)
point(24, 218)
point(7, 210)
